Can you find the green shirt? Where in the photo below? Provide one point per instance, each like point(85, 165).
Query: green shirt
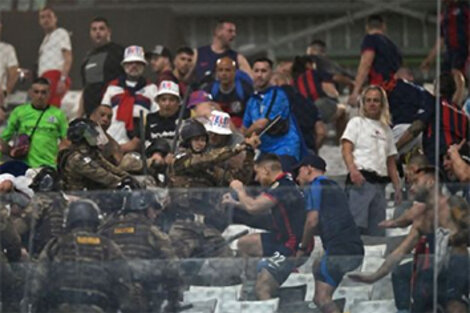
point(44, 145)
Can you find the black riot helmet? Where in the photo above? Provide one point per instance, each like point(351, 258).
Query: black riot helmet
point(83, 130)
point(46, 180)
point(159, 145)
point(82, 213)
point(140, 201)
point(191, 129)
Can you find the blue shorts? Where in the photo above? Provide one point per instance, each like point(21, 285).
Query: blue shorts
point(271, 244)
point(333, 267)
point(277, 258)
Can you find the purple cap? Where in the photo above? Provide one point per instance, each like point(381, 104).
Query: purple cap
point(197, 97)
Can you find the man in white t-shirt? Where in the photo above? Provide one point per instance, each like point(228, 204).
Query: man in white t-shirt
point(369, 153)
point(128, 95)
point(55, 56)
point(8, 69)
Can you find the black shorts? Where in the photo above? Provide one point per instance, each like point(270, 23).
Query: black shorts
point(452, 284)
point(333, 267)
point(455, 279)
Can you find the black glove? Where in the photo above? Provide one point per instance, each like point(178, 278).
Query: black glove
point(129, 183)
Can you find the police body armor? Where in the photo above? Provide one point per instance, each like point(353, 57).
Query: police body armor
point(52, 223)
point(132, 234)
point(80, 277)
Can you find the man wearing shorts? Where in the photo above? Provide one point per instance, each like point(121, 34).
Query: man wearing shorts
point(329, 216)
point(285, 202)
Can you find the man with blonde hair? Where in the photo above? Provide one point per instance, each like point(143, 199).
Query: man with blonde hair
point(369, 153)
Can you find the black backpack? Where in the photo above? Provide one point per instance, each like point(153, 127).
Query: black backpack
point(305, 112)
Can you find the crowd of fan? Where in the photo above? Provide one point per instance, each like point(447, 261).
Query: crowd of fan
point(147, 154)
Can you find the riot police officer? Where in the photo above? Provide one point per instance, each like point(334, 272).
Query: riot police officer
point(149, 251)
point(81, 271)
point(198, 223)
point(196, 166)
point(10, 251)
point(43, 217)
point(82, 165)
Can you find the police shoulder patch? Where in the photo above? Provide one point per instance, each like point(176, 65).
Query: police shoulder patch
point(87, 240)
point(87, 160)
point(124, 230)
point(179, 156)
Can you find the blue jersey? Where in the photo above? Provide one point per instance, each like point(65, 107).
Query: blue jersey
point(257, 108)
point(336, 224)
point(288, 213)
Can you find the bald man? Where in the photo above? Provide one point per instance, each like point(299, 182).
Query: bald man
point(230, 91)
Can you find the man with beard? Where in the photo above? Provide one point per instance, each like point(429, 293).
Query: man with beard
point(129, 95)
point(182, 68)
point(101, 65)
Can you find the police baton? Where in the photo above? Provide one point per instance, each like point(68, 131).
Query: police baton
point(179, 308)
point(226, 242)
point(270, 125)
point(142, 142)
point(184, 104)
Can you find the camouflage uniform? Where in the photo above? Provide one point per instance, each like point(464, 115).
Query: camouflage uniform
point(82, 272)
point(44, 215)
point(198, 235)
point(9, 238)
point(83, 167)
point(204, 169)
point(11, 284)
point(147, 248)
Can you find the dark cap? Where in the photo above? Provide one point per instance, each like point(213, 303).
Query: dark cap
point(159, 50)
point(314, 161)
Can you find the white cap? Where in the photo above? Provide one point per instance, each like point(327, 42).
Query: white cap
point(134, 54)
point(167, 87)
point(219, 123)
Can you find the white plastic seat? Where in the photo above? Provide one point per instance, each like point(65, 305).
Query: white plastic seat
point(299, 279)
point(203, 293)
point(352, 294)
point(376, 306)
point(266, 306)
